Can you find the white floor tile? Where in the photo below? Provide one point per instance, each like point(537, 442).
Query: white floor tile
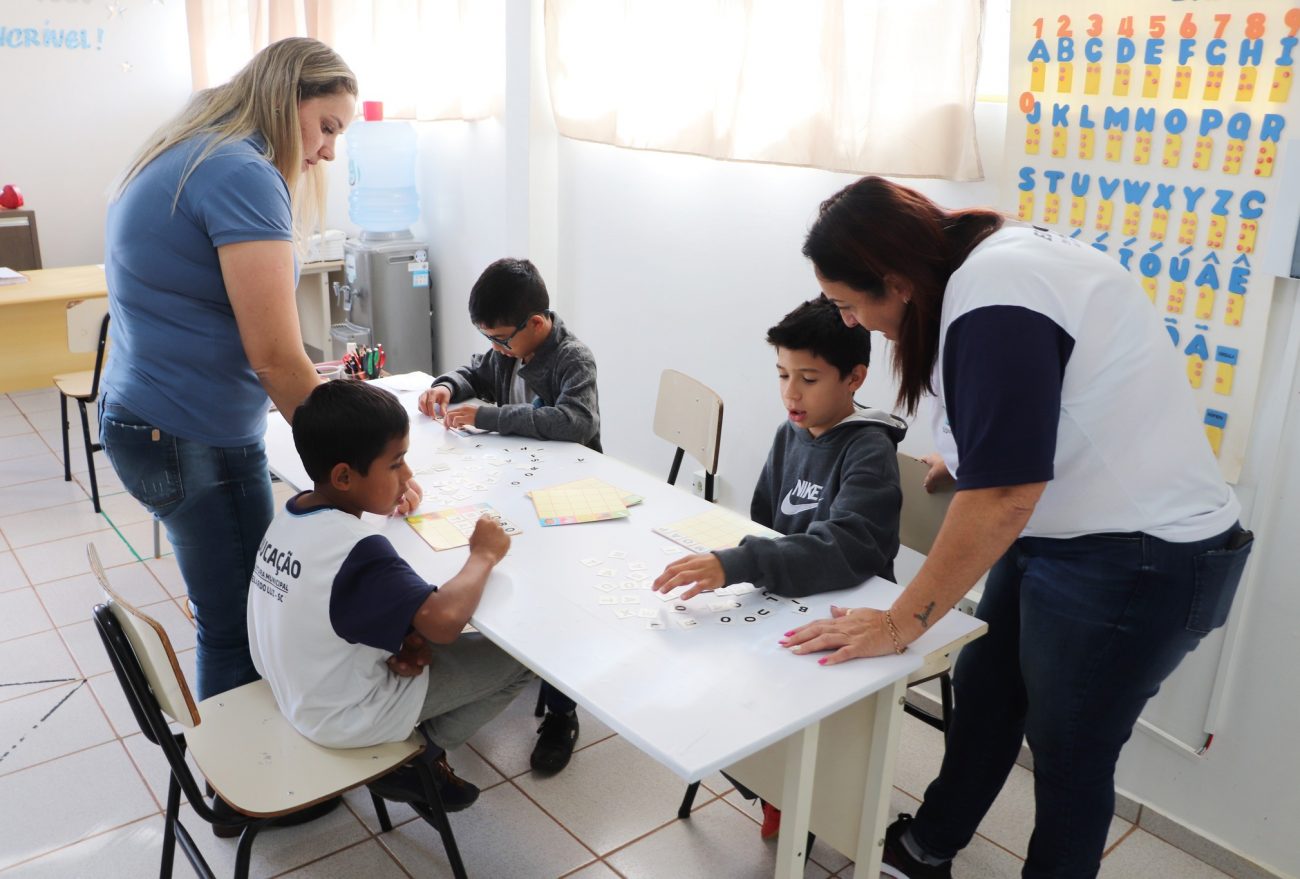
point(609, 795)
point(108, 692)
point(21, 614)
point(71, 600)
point(507, 742)
point(125, 853)
point(52, 523)
point(29, 468)
point(1142, 854)
point(49, 724)
point(154, 768)
point(37, 400)
point(12, 422)
point(278, 849)
point(594, 870)
point(168, 573)
point(49, 492)
point(52, 805)
point(60, 559)
point(368, 859)
point(503, 834)
point(22, 445)
point(11, 573)
point(140, 537)
point(35, 663)
point(122, 509)
point(984, 860)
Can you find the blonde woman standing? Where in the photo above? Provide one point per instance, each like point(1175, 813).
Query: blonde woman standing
point(201, 268)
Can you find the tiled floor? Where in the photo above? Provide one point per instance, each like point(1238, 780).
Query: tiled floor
point(81, 790)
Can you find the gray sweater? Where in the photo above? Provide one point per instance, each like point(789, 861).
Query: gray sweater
point(837, 500)
point(561, 376)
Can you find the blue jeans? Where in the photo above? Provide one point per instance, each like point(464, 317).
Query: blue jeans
point(216, 505)
point(1082, 632)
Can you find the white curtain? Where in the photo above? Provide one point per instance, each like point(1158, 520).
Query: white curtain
point(865, 86)
point(425, 59)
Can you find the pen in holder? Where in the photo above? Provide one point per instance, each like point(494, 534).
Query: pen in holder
point(364, 362)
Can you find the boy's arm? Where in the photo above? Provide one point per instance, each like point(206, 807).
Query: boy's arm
point(468, 382)
point(444, 614)
point(858, 540)
point(575, 417)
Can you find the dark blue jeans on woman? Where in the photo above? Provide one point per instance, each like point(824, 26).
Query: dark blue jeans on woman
point(216, 505)
point(1081, 634)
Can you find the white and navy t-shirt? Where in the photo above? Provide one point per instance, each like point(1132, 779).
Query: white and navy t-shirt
point(330, 601)
point(1053, 367)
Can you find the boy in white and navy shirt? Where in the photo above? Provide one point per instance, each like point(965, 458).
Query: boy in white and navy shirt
point(340, 625)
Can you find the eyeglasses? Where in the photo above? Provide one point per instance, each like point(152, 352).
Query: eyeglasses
point(505, 343)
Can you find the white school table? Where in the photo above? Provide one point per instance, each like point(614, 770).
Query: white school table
point(697, 700)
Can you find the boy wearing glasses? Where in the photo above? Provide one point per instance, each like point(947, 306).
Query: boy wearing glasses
point(538, 381)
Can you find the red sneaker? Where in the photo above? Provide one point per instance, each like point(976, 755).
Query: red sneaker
point(771, 821)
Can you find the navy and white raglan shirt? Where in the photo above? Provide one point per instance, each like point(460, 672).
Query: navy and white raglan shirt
point(330, 601)
point(835, 497)
point(1051, 364)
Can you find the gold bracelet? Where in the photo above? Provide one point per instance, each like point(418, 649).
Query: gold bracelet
point(893, 632)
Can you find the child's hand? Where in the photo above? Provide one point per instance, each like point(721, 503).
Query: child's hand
point(938, 479)
point(410, 499)
point(433, 402)
point(488, 539)
point(703, 569)
point(461, 416)
point(412, 658)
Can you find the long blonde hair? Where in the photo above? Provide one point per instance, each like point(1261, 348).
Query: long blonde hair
point(261, 99)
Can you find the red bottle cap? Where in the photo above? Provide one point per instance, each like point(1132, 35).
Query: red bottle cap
point(373, 110)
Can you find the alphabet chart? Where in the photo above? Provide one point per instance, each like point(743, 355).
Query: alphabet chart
point(589, 501)
point(1163, 155)
point(450, 528)
point(716, 529)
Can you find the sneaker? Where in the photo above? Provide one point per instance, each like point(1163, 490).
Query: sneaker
point(238, 820)
point(899, 863)
point(403, 785)
point(771, 821)
point(556, 738)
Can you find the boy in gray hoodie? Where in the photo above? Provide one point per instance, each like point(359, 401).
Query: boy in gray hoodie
point(538, 381)
point(830, 484)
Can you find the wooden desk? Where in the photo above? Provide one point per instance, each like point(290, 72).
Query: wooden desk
point(697, 699)
point(34, 346)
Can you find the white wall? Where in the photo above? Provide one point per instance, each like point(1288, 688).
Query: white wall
point(74, 116)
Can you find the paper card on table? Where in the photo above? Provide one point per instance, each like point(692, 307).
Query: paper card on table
point(450, 528)
point(716, 529)
point(571, 506)
point(629, 499)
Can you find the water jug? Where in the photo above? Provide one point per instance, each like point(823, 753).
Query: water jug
point(381, 172)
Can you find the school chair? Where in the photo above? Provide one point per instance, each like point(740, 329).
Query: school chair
point(87, 331)
point(250, 754)
point(918, 526)
point(919, 522)
point(688, 414)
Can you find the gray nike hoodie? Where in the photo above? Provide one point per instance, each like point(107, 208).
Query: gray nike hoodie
point(836, 498)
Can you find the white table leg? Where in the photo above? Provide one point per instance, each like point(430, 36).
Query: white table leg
point(796, 802)
point(880, 777)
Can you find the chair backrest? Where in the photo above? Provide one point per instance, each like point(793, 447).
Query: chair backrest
point(88, 331)
point(688, 414)
point(922, 512)
point(151, 651)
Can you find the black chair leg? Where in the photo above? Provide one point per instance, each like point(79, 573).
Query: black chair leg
point(684, 810)
point(244, 854)
point(677, 464)
point(169, 828)
point(539, 710)
point(436, 814)
point(945, 697)
point(708, 486)
point(90, 453)
point(67, 455)
point(381, 811)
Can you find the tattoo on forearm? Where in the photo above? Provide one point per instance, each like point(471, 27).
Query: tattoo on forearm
point(924, 616)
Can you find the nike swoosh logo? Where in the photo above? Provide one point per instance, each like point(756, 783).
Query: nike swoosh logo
point(791, 509)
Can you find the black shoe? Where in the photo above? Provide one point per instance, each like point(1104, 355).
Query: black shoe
point(238, 820)
point(898, 863)
point(403, 785)
point(556, 738)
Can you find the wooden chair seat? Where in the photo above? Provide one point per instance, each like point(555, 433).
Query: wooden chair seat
point(77, 385)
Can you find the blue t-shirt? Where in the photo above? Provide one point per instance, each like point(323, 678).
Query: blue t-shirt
point(177, 360)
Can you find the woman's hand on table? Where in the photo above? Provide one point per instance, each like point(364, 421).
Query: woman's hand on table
point(702, 569)
point(853, 633)
point(410, 499)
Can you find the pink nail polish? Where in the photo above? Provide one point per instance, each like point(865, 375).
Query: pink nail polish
point(789, 633)
point(821, 661)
